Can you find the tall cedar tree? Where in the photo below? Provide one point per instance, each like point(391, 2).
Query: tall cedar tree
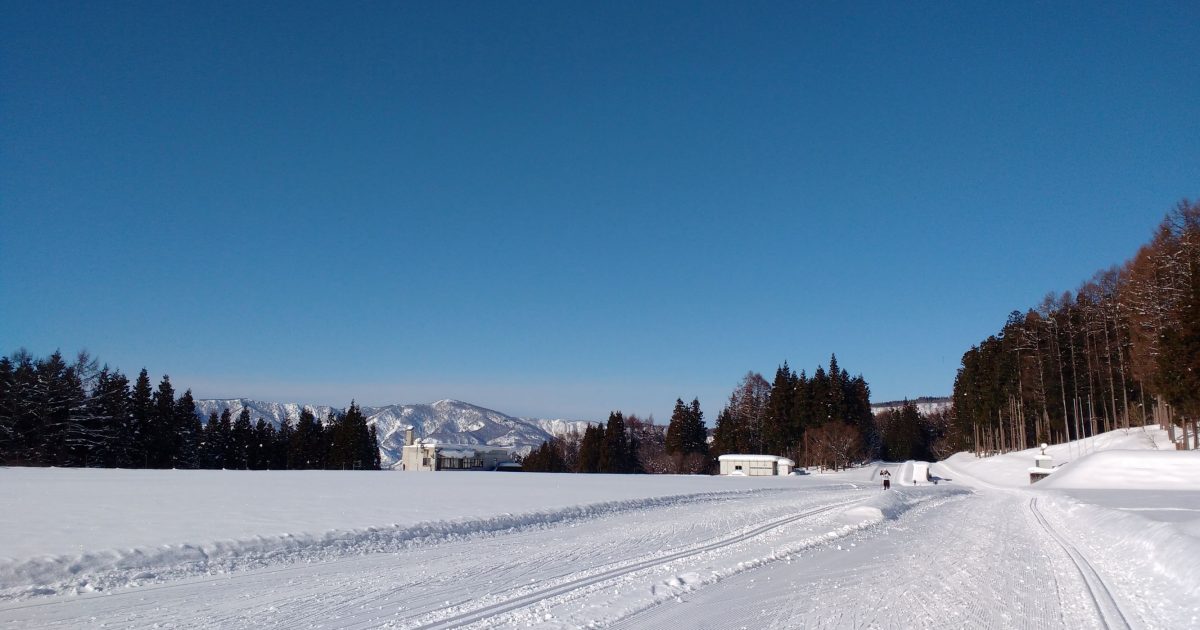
point(616, 456)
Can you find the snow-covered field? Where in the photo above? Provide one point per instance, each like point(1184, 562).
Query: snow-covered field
point(1087, 548)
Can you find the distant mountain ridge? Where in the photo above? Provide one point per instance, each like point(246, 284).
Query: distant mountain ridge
point(925, 404)
point(449, 421)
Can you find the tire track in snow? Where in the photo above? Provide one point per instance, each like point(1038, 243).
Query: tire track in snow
point(523, 601)
point(1106, 605)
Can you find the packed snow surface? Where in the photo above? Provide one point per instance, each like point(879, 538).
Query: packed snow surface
point(331, 549)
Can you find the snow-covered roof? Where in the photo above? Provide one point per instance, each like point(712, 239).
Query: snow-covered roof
point(756, 458)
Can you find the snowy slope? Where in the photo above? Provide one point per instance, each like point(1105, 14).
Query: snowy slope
point(449, 421)
point(1011, 469)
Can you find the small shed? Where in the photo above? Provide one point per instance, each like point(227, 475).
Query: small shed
point(746, 465)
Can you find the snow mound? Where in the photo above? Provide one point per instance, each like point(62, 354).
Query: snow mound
point(1130, 470)
point(890, 505)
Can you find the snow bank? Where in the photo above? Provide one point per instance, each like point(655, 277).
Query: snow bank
point(1146, 556)
point(1130, 470)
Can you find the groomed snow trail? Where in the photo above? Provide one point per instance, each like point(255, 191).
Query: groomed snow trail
point(541, 596)
point(985, 561)
point(445, 583)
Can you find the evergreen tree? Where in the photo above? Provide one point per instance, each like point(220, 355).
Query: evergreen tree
point(141, 409)
point(546, 458)
point(725, 433)
point(306, 447)
point(615, 455)
point(240, 438)
point(261, 444)
point(591, 449)
point(376, 461)
point(778, 433)
point(189, 432)
point(212, 449)
point(8, 409)
point(162, 432)
point(1179, 362)
point(282, 451)
point(696, 435)
point(351, 441)
point(677, 428)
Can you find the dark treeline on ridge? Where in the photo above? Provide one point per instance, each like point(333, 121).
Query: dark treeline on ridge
point(820, 420)
point(1123, 350)
point(55, 413)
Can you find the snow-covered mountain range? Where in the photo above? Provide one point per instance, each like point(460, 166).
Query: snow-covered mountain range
point(925, 404)
point(449, 421)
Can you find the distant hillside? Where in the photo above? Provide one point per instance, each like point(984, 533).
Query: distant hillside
point(449, 421)
point(925, 404)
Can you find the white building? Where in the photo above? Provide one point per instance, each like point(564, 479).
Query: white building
point(429, 455)
point(755, 465)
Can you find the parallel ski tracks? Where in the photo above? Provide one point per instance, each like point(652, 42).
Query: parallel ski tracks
point(1102, 598)
point(529, 599)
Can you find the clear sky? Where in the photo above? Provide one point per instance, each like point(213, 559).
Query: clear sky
point(557, 209)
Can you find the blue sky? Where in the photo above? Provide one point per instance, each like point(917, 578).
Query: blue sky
point(558, 209)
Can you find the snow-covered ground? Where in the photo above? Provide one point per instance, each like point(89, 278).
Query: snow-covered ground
point(446, 550)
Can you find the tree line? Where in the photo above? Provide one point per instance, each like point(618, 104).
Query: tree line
point(59, 413)
point(1122, 350)
point(823, 420)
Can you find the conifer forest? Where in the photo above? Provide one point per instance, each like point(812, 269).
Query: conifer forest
point(1123, 349)
point(59, 413)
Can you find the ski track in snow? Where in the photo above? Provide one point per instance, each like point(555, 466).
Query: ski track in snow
point(1106, 605)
